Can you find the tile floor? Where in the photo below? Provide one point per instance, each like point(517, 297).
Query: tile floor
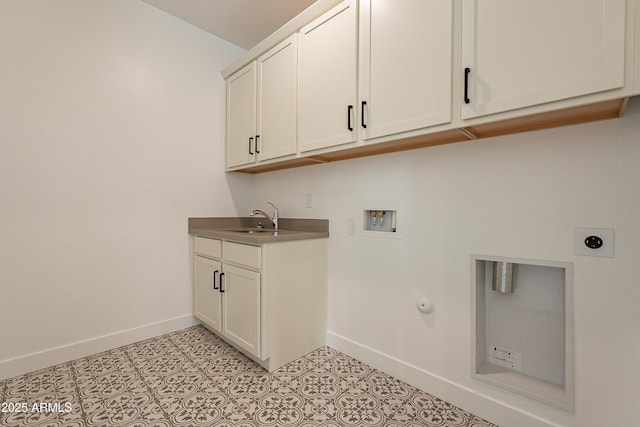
point(193, 378)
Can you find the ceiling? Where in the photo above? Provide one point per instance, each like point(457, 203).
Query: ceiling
point(242, 22)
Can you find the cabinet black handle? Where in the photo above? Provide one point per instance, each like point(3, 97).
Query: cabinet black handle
point(250, 141)
point(349, 112)
point(466, 85)
point(215, 288)
point(364, 125)
point(257, 140)
point(221, 276)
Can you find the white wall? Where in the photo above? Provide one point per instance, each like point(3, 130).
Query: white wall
point(111, 129)
point(111, 136)
point(516, 196)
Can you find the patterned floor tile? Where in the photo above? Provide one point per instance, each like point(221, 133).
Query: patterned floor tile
point(193, 378)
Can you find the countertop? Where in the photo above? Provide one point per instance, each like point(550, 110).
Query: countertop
point(230, 229)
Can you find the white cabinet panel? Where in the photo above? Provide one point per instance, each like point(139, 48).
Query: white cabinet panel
point(405, 77)
point(206, 298)
point(242, 254)
point(327, 79)
point(524, 53)
point(207, 247)
point(241, 308)
point(241, 116)
point(227, 298)
point(277, 101)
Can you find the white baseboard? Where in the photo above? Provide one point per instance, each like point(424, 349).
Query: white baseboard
point(486, 407)
point(42, 359)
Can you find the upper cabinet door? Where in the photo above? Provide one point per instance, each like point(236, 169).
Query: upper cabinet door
point(241, 116)
point(327, 79)
point(405, 68)
point(523, 53)
point(277, 101)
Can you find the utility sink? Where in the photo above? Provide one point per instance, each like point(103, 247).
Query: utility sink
point(245, 230)
point(266, 231)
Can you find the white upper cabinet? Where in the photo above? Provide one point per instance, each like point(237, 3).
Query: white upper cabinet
point(374, 76)
point(327, 67)
point(261, 107)
point(241, 116)
point(277, 101)
point(405, 68)
point(523, 53)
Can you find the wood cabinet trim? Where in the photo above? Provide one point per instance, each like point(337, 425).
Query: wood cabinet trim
point(568, 116)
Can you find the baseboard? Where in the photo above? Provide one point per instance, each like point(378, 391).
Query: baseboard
point(31, 362)
point(486, 407)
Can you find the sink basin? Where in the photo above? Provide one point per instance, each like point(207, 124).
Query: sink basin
point(254, 231)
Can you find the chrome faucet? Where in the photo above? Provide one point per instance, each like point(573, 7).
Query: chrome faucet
point(273, 219)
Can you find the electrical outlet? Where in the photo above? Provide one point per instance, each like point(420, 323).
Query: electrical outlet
point(594, 242)
point(308, 200)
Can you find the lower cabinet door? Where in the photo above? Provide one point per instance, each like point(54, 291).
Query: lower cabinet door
point(207, 297)
point(241, 308)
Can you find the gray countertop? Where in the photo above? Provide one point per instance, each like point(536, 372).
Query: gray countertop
point(245, 229)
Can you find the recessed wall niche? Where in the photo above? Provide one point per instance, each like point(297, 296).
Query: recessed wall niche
point(522, 327)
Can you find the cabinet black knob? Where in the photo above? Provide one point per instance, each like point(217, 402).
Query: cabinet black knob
point(221, 276)
point(215, 288)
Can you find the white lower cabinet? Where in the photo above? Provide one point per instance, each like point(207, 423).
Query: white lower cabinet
point(206, 294)
point(241, 307)
point(269, 300)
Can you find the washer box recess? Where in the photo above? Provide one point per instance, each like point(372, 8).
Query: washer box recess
point(379, 220)
point(522, 340)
